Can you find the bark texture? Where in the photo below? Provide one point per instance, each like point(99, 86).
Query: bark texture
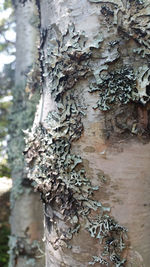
point(26, 209)
point(88, 151)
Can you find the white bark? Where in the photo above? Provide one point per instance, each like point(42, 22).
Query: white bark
point(114, 145)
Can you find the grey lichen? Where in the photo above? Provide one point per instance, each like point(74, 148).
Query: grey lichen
point(124, 88)
point(65, 60)
point(59, 174)
point(131, 25)
point(115, 87)
point(16, 191)
point(31, 262)
point(100, 260)
point(112, 236)
point(23, 109)
point(20, 246)
point(62, 181)
point(97, 259)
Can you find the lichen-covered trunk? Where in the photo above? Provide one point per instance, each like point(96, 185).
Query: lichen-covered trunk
point(26, 209)
point(89, 148)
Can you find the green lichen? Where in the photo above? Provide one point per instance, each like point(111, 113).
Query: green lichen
point(65, 61)
point(115, 87)
point(59, 174)
point(131, 23)
point(113, 238)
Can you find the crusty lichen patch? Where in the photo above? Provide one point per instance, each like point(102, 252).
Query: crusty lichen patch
point(19, 246)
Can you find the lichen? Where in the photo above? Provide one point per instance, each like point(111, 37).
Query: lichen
point(123, 89)
point(65, 60)
point(59, 174)
point(25, 99)
point(100, 260)
point(16, 190)
point(131, 25)
point(61, 179)
point(31, 262)
point(21, 246)
point(118, 86)
point(112, 236)
point(124, 86)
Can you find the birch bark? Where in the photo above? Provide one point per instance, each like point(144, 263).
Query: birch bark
point(89, 148)
point(26, 209)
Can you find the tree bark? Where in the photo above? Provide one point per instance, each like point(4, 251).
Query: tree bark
point(26, 209)
point(88, 151)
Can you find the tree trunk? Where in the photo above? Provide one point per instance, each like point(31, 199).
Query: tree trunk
point(26, 209)
point(88, 151)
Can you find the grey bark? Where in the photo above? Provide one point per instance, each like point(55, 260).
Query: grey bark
point(89, 146)
point(26, 210)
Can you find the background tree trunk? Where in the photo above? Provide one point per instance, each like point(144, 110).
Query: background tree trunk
point(26, 210)
point(89, 147)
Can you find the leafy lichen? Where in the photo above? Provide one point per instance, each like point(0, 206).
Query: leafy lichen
point(59, 174)
point(112, 236)
point(66, 59)
point(118, 86)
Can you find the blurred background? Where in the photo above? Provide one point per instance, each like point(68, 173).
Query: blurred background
point(7, 66)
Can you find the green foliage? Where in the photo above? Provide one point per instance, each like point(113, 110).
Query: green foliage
point(4, 169)
point(7, 4)
point(4, 233)
point(6, 25)
point(6, 81)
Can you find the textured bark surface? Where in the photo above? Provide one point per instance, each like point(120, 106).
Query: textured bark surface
point(92, 130)
point(26, 209)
